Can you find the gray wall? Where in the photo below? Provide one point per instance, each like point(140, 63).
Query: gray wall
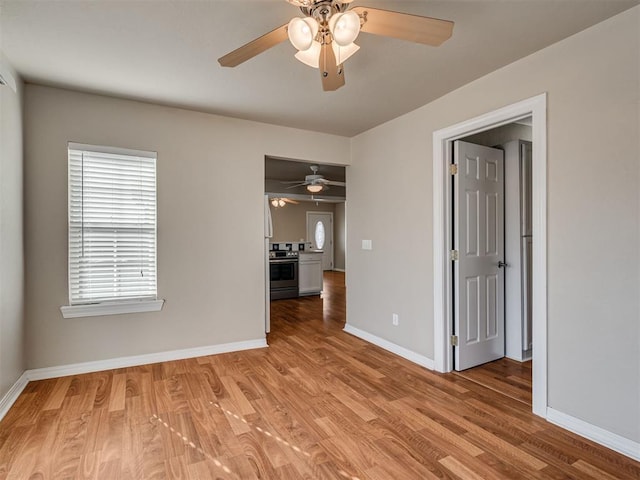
point(12, 362)
point(593, 213)
point(290, 222)
point(210, 239)
point(340, 234)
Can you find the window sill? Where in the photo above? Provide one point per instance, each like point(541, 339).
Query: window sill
point(115, 308)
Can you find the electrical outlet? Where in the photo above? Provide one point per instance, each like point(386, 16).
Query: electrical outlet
point(395, 319)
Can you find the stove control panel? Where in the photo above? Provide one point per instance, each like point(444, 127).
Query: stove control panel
point(282, 254)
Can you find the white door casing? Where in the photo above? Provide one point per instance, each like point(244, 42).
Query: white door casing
point(268, 234)
point(321, 222)
point(479, 242)
point(536, 108)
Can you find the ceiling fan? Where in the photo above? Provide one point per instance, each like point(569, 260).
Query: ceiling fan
point(282, 201)
point(315, 183)
point(325, 36)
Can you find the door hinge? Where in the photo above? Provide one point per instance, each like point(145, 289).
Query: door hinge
point(454, 255)
point(453, 169)
point(454, 340)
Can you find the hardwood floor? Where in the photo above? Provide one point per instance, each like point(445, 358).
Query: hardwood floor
point(318, 403)
point(504, 376)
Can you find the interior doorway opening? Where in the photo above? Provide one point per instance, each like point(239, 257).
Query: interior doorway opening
point(444, 306)
point(305, 229)
point(512, 145)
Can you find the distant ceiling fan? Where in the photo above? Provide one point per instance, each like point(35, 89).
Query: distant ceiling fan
point(282, 201)
point(325, 36)
point(315, 183)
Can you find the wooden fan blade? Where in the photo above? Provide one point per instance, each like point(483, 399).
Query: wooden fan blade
point(332, 75)
point(414, 28)
point(253, 48)
point(335, 183)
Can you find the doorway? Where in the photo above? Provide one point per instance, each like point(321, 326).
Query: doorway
point(442, 216)
point(288, 201)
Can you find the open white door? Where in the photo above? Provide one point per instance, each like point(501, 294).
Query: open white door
point(479, 241)
point(320, 234)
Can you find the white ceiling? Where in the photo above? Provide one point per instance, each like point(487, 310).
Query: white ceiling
point(166, 52)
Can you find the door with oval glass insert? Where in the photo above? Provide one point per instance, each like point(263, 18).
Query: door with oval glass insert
point(320, 234)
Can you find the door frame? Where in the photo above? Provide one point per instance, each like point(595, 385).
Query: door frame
point(535, 107)
point(331, 250)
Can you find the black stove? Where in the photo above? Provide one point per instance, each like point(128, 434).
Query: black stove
point(283, 272)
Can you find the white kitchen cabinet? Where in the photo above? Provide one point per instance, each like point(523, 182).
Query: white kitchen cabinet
point(309, 273)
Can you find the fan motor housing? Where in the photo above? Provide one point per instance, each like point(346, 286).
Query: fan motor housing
point(323, 10)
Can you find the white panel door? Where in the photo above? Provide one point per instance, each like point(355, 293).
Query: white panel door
point(320, 234)
point(479, 239)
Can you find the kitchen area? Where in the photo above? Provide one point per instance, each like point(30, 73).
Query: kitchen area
point(305, 222)
point(294, 273)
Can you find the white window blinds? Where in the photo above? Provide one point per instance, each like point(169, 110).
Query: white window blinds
point(112, 224)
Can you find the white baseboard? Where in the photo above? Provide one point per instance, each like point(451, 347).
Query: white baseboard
point(391, 347)
point(88, 367)
point(12, 395)
point(599, 435)
point(339, 270)
point(97, 366)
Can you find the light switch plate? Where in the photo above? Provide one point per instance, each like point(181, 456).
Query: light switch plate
point(367, 245)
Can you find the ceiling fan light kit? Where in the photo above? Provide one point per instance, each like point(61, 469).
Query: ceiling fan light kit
point(278, 202)
point(315, 183)
point(330, 23)
point(305, 34)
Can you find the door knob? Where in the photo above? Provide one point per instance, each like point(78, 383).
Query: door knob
point(502, 264)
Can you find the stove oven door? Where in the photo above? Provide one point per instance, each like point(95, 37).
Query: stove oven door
point(283, 278)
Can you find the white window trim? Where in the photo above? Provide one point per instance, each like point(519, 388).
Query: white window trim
point(114, 150)
point(111, 308)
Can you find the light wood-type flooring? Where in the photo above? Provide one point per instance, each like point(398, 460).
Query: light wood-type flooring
point(504, 376)
point(318, 403)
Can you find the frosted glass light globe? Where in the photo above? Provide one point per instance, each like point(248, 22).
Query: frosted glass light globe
point(345, 28)
point(310, 56)
point(302, 31)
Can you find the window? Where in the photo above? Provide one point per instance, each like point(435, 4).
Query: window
point(319, 235)
point(112, 228)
